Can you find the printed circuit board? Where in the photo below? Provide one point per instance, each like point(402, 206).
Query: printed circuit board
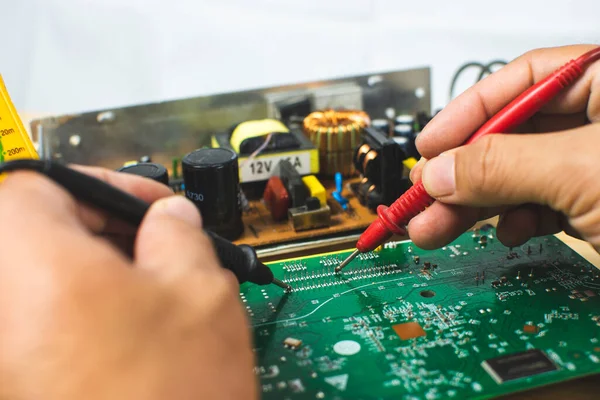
point(472, 320)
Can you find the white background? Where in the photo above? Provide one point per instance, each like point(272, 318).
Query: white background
point(60, 56)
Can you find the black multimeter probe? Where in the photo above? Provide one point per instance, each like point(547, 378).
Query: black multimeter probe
point(239, 259)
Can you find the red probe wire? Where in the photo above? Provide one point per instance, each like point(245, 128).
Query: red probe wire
point(393, 219)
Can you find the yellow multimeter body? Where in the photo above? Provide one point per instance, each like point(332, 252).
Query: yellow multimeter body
point(14, 140)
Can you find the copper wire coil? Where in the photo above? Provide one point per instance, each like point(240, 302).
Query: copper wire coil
point(362, 150)
point(364, 158)
point(336, 133)
point(371, 155)
point(341, 162)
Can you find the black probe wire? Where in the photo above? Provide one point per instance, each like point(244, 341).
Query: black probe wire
point(85, 188)
point(240, 259)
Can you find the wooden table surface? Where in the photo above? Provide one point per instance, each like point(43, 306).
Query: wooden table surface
point(580, 389)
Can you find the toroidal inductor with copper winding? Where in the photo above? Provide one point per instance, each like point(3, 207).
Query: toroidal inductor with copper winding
point(336, 133)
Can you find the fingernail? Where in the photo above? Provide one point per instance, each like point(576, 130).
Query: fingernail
point(178, 207)
point(439, 177)
point(416, 168)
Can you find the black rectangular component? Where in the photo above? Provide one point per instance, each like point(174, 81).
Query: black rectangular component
point(384, 172)
point(293, 183)
point(518, 365)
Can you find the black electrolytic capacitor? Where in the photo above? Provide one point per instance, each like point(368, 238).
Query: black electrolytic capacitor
point(211, 179)
point(148, 170)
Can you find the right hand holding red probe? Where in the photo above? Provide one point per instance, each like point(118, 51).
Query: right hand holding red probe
point(541, 182)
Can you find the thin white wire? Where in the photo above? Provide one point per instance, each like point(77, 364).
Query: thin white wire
point(257, 151)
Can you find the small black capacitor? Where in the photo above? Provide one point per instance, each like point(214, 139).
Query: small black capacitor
point(405, 119)
point(153, 171)
point(211, 179)
point(381, 124)
point(405, 125)
point(403, 131)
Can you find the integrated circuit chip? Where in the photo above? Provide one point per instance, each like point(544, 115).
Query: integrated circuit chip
point(409, 330)
point(518, 365)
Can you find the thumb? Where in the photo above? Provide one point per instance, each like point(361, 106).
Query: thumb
point(170, 241)
point(556, 169)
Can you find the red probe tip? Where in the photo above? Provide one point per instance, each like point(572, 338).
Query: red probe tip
point(393, 219)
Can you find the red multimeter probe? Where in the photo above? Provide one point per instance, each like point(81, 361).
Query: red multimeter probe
point(393, 219)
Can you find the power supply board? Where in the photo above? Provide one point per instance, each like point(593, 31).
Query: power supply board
point(261, 230)
point(472, 320)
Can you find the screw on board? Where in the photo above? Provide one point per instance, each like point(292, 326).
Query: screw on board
point(105, 117)
point(75, 140)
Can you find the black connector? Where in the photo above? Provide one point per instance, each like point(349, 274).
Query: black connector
point(293, 183)
point(379, 159)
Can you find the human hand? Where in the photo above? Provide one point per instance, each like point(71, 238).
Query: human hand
point(539, 184)
point(80, 319)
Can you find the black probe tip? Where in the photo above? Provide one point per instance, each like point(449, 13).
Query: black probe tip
point(282, 285)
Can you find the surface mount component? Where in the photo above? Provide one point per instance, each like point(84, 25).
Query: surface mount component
point(389, 328)
point(212, 182)
point(409, 330)
point(292, 343)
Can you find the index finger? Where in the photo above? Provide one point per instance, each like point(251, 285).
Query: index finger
point(143, 188)
point(40, 215)
point(463, 116)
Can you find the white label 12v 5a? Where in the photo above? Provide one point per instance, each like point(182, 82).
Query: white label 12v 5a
point(260, 169)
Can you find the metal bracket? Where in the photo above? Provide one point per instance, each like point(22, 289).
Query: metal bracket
point(171, 129)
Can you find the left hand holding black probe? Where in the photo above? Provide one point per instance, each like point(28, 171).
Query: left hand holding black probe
point(241, 260)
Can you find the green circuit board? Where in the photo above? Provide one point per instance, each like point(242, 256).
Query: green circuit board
point(473, 320)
